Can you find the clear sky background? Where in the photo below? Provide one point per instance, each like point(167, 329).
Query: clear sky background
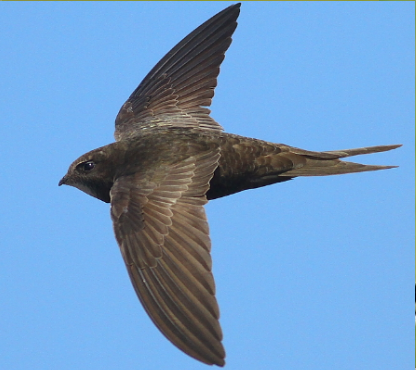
point(316, 273)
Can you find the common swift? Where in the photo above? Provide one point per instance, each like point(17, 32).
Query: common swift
point(169, 159)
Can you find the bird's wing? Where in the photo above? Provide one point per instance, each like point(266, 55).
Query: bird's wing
point(162, 230)
point(177, 89)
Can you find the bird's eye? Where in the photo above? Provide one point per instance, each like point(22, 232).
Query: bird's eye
point(86, 166)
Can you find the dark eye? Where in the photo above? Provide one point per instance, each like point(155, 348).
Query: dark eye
point(86, 166)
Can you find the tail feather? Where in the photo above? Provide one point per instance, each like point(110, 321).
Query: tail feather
point(366, 150)
point(327, 163)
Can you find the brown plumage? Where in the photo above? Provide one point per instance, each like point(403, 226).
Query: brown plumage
point(169, 159)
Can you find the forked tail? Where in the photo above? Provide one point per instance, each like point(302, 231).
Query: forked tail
point(310, 163)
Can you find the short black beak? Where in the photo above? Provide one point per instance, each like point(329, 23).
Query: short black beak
point(63, 181)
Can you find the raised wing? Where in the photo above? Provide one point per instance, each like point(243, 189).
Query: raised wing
point(163, 234)
point(177, 89)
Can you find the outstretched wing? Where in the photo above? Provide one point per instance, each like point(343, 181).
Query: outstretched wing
point(161, 228)
point(177, 89)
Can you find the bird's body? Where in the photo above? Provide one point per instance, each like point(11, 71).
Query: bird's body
point(169, 159)
point(244, 163)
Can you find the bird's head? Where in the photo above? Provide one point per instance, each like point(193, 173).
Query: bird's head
point(92, 173)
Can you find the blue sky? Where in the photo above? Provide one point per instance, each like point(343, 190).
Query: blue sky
point(315, 273)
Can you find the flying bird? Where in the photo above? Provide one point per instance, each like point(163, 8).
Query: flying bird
point(169, 159)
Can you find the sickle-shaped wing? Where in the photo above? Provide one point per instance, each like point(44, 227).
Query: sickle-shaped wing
point(161, 228)
point(177, 89)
